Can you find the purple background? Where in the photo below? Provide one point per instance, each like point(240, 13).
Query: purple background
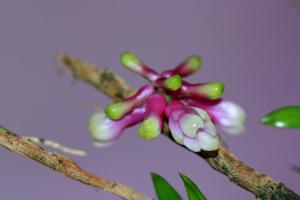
point(252, 46)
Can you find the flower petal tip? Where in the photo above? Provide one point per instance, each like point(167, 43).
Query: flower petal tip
point(130, 61)
point(149, 129)
point(101, 128)
point(213, 90)
point(116, 111)
point(173, 83)
point(194, 62)
point(207, 142)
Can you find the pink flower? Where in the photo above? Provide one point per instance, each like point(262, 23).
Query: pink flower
point(228, 116)
point(105, 131)
point(192, 127)
point(194, 111)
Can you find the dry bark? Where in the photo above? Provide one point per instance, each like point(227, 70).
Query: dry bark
point(65, 166)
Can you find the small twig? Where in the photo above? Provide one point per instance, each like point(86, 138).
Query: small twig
point(65, 166)
point(55, 145)
point(261, 185)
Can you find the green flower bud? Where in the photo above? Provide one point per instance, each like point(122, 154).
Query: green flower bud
point(194, 63)
point(116, 111)
point(131, 61)
point(150, 128)
point(173, 83)
point(213, 90)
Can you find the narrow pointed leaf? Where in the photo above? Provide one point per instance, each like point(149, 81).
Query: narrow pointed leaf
point(163, 189)
point(191, 188)
point(284, 117)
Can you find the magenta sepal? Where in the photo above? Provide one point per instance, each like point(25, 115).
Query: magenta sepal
point(208, 90)
point(141, 94)
point(107, 131)
point(149, 73)
point(174, 104)
point(134, 64)
point(204, 104)
point(117, 110)
point(184, 69)
point(151, 126)
point(155, 106)
point(228, 116)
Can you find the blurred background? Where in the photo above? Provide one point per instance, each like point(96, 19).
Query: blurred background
point(252, 46)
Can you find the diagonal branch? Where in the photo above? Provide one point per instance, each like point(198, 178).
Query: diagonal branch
point(103, 79)
point(65, 166)
point(261, 185)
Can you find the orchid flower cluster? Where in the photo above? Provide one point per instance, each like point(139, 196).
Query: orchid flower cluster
point(195, 112)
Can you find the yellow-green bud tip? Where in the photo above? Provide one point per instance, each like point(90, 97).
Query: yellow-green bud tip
point(194, 62)
point(213, 90)
point(130, 61)
point(173, 82)
point(149, 129)
point(116, 111)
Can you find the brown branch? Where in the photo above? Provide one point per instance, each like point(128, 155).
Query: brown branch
point(103, 79)
point(65, 166)
point(261, 185)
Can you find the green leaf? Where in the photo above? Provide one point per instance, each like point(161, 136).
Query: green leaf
point(191, 188)
point(163, 189)
point(285, 117)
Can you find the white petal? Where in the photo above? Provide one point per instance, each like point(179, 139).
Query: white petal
point(102, 128)
point(95, 119)
point(229, 116)
point(176, 114)
point(176, 131)
point(207, 142)
point(203, 114)
point(210, 128)
point(230, 113)
point(190, 123)
point(192, 144)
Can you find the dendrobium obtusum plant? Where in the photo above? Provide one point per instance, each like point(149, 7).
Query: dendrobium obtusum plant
point(195, 112)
